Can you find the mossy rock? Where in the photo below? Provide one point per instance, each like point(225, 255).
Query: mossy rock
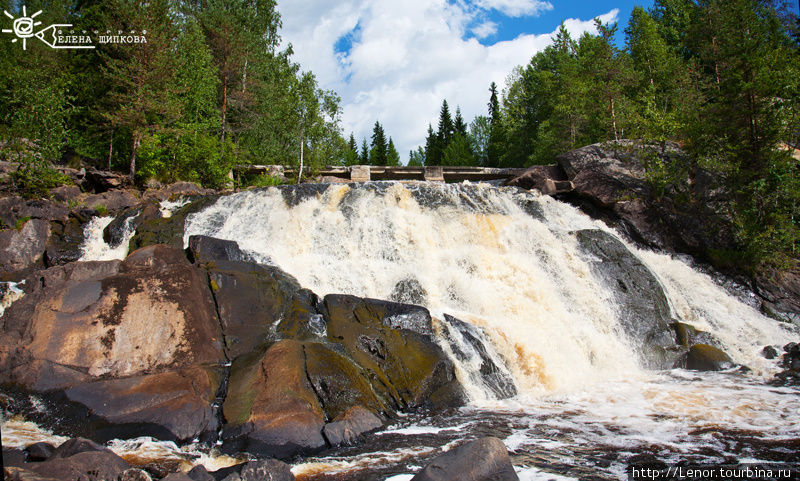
point(393, 342)
point(168, 230)
point(703, 357)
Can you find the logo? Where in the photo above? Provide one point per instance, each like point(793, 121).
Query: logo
point(62, 36)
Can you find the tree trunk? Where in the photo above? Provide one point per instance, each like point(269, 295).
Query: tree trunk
point(136, 142)
point(300, 172)
point(224, 107)
point(110, 148)
point(614, 119)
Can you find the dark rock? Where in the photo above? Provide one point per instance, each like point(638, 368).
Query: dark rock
point(702, 357)
point(129, 221)
point(134, 474)
point(271, 407)
point(250, 299)
point(75, 446)
point(395, 343)
point(14, 457)
point(100, 181)
point(66, 240)
point(686, 335)
point(492, 376)
point(168, 230)
point(176, 190)
point(177, 477)
point(87, 465)
point(547, 179)
point(20, 474)
point(174, 405)
point(266, 470)
point(24, 248)
point(113, 201)
point(199, 473)
point(40, 451)
point(37, 209)
point(65, 193)
point(484, 459)
point(207, 249)
point(350, 425)
point(769, 352)
point(137, 343)
point(644, 313)
point(409, 291)
point(781, 293)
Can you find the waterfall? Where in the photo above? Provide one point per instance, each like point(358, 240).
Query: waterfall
point(506, 262)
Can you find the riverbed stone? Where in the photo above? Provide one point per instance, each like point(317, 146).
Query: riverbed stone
point(395, 343)
point(484, 459)
point(350, 425)
point(703, 357)
point(644, 310)
point(23, 248)
point(86, 465)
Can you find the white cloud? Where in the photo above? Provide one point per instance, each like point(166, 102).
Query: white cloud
point(485, 29)
point(407, 57)
point(516, 8)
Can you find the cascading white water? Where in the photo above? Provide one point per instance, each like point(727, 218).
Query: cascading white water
point(95, 248)
point(480, 257)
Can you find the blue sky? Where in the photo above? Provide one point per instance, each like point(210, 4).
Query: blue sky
point(396, 61)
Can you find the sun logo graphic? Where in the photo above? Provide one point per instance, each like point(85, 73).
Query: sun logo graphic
point(23, 26)
point(53, 36)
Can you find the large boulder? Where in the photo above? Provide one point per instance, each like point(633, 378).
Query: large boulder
point(702, 357)
point(395, 343)
point(644, 309)
point(168, 230)
point(350, 425)
point(137, 343)
point(547, 179)
point(66, 240)
point(22, 249)
point(484, 459)
point(271, 407)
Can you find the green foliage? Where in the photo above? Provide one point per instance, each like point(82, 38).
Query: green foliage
point(21, 222)
point(262, 180)
point(101, 210)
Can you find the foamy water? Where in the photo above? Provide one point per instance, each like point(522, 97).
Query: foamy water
point(94, 248)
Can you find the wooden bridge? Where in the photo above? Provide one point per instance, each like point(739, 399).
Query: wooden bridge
point(365, 173)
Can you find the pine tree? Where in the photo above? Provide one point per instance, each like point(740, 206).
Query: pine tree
point(378, 154)
point(495, 147)
point(446, 128)
point(392, 156)
point(460, 127)
point(433, 148)
point(364, 157)
point(351, 154)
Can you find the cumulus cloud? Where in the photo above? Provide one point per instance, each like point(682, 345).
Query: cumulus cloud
point(397, 61)
point(515, 8)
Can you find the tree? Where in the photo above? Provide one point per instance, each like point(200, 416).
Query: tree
point(478, 136)
point(364, 158)
point(495, 147)
point(458, 152)
point(433, 148)
point(459, 126)
point(140, 79)
point(446, 127)
point(416, 158)
point(392, 156)
point(351, 154)
point(379, 150)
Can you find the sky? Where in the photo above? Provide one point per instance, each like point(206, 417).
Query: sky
point(394, 61)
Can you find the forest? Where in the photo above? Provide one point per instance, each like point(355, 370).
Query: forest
point(213, 88)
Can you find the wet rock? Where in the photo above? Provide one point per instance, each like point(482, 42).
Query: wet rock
point(645, 313)
point(74, 446)
point(208, 249)
point(769, 352)
point(266, 470)
point(175, 405)
point(13, 473)
point(177, 477)
point(781, 293)
point(40, 451)
point(199, 473)
point(271, 407)
point(790, 362)
point(350, 425)
point(24, 248)
point(409, 291)
point(129, 221)
point(484, 459)
point(137, 343)
point(168, 230)
point(468, 343)
point(702, 357)
point(134, 475)
point(86, 465)
point(13, 457)
point(252, 298)
point(65, 242)
point(687, 335)
point(395, 343)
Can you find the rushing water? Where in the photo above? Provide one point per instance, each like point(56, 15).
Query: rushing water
point(508, 264)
